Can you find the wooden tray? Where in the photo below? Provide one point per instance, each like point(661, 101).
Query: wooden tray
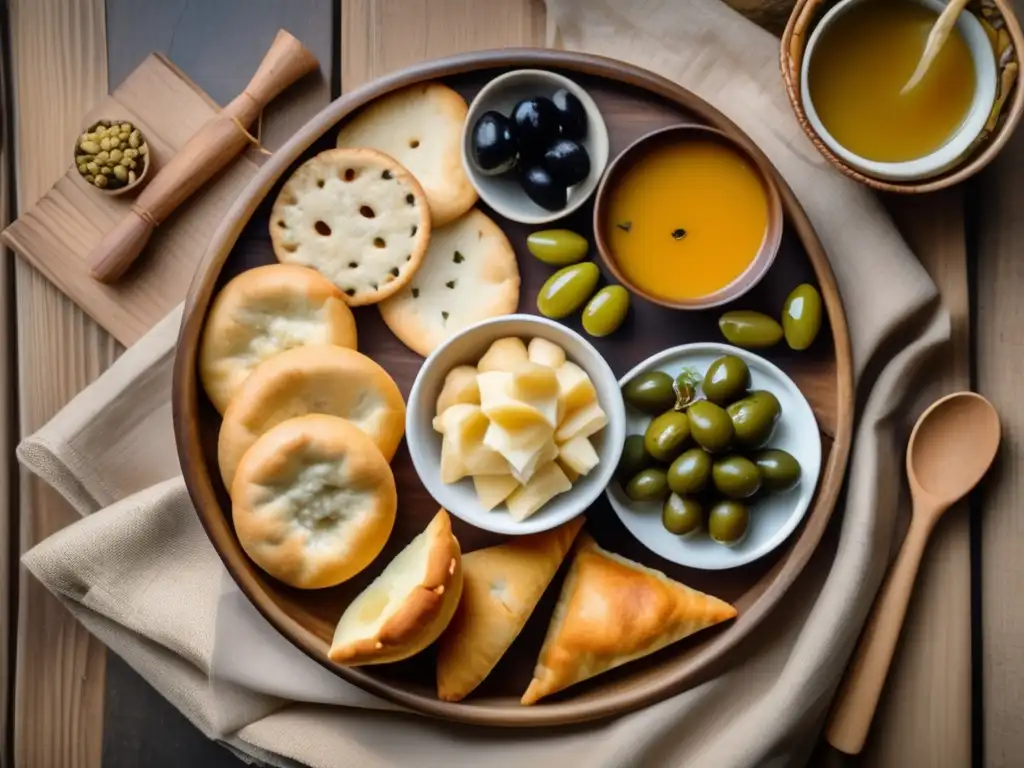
point(633, 102)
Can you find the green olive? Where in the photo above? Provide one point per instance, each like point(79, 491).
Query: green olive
point(605, 312)
point(682, 516)
point(728, 521)
point(751, 330)
point(710, 426)
point(690, 472)
point(736, 477)
point(666, 435)
point(801, 316)
point(726, 380)
point(558, 247)
point(635, 458)
point(650, 392)
point(567, 290)
point(779, 470)
point(648, 485)
point(754, 417)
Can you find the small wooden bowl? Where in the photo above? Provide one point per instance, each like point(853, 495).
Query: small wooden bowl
point(673, 134)
point(1006, 112)
point(140, 179)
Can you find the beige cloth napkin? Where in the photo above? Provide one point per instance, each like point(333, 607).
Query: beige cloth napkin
point(138, 571)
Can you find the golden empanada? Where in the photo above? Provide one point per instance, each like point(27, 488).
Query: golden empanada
point(501, 587)
point(612, 611)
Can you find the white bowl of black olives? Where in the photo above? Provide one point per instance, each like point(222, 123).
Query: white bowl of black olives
point(534, 145)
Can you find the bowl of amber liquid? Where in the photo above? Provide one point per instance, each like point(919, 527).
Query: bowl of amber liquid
point(858, 60)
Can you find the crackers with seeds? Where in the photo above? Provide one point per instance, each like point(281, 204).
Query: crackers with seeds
point(357, 217)
point(421, 127)
point(469, 274)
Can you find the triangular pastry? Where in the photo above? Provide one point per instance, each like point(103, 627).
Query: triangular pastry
point(612, 611)
point(501, 587)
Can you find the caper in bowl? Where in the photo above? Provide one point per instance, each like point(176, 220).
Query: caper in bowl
point(112, 156)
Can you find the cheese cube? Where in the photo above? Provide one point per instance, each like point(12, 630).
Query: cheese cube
point(462, 450)
point(545, 352)
point(546, 483)
point(453, 468)
point(546, 453)
point(579, 455)
point(503, 355)
point(575, 389)
point(532, 381)
point(491, 490)
point(517, 446)
point(459, 387)
point(464, 423)
point(570, 473)
point(582, 423)
point(501, 407)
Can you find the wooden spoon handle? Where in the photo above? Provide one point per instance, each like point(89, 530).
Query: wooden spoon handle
point(216, 144)
point(855, 703)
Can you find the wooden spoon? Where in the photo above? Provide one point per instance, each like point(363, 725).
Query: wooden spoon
point(952, 446)
point(937, 38)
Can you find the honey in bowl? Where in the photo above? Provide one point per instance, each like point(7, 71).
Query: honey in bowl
point(860, 65)
point(687, 219)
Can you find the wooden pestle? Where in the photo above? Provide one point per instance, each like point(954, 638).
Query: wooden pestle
point(216, 144)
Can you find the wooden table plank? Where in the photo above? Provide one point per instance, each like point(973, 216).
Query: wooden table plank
point(59, 71)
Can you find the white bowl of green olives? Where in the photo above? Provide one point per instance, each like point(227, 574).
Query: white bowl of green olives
point(721, 458)
point(534, 145)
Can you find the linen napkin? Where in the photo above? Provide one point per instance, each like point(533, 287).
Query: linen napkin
point(138, 571)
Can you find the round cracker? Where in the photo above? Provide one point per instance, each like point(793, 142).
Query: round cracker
point(263, 312)
point(357, 217)
point(313, 501)
point(469, 274)
point(421, 127)
point(331, 380)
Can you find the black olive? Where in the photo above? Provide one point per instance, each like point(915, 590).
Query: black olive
point(536, 122)
point(567, 162)
point(542, 189)
point(571, 114)
point(494, 144)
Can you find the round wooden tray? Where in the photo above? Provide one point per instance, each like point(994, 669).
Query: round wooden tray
point(633, 102)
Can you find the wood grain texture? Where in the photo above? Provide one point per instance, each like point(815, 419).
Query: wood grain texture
point(924, 714)
point(1000, 369)
point(59, 72)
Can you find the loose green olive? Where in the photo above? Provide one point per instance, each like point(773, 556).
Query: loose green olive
point(682, 516)
point(726, 380)
point(650, 392)
point(690, 472)
point(649, 485)
point(605, 312)
point(710, 426)
point(751, 330)
point(666, 435)
point(635, 458)
point(754, 418)
point(728, 522)
point(779, 470)
point(558, 247)
point(567, 290)
point(736, 477)
point(801, 316)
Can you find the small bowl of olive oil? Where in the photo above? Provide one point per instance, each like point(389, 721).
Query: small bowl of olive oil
point(858, 60)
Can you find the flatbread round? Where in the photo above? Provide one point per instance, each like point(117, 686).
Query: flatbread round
point(330, 380)
point(313, 501)
point(469, 274)
point(263, 312)
point(421, 127)
point(357, 217)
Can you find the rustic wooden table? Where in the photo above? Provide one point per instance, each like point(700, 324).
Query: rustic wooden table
point(956, 692)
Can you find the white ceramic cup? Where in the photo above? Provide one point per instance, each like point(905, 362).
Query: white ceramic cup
point(466, 348)
point(950, 153)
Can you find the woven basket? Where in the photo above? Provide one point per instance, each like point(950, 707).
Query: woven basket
point(1007, 40)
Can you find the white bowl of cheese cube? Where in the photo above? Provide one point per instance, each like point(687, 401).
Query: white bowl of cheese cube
point(516, 424)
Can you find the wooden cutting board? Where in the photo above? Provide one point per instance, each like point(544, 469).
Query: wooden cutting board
point(58, 232)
